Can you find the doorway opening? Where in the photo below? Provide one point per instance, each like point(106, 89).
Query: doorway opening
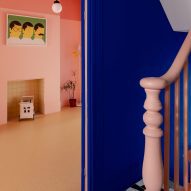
point(48, 151)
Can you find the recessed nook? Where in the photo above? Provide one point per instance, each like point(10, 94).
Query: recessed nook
point(17, 89)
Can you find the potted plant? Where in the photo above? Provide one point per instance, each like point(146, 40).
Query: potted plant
point(69, 87)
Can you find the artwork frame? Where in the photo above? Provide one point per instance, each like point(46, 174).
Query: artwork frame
point(26, 30)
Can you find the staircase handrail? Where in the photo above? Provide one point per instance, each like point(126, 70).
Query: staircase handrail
point(152, 164)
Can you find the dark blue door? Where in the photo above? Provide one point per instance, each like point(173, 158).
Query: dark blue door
point(127, 40)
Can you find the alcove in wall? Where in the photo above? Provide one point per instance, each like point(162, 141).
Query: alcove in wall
point(17, 89)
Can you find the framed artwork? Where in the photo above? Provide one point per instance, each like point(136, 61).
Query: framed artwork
point(25, 30)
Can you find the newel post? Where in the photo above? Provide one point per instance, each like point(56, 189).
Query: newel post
point(152, 163)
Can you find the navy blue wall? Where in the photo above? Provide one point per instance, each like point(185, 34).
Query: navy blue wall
point(128, 40)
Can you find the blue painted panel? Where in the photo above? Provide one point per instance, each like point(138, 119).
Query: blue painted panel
point(128, 40)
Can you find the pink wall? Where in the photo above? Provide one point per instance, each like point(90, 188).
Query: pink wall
point(31, 62)
point(71, 8)
point(70, 40)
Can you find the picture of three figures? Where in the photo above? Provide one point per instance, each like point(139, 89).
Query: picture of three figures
point(24, 30)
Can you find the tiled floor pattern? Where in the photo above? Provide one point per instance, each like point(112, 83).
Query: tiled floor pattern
point(139, 186)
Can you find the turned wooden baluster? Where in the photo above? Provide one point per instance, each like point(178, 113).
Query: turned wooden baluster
point(176, 134)
point(166, 138)
point(186, 126)
point(152, 164)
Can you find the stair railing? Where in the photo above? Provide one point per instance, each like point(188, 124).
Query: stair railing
point(154, 176)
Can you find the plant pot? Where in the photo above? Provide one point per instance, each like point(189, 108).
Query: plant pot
point(72, 102)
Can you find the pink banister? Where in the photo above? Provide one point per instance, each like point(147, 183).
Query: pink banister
point(185, 114)
point(176, 134)
point(172, 74)
point(152, 163)
point(166, 138)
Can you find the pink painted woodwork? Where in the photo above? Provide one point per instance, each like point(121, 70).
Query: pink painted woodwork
point(189, 160)
point(153, 133)
point(173, 73)
point(176, 134)
point(166, 138)
point(152, 164)
point(185, 114)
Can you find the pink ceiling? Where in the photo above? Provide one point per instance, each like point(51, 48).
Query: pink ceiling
point(71, 8)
